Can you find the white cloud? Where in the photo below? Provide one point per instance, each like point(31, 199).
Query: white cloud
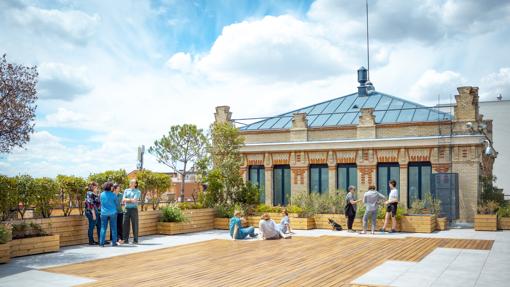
point(433, 84)
point(180, 62)
point(59, 81)
point(496, 84)
point(274, 48)
point(72, 25)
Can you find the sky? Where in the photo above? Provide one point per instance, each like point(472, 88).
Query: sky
point(114, 75)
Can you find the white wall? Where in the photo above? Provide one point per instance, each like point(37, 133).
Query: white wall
point(499, 112)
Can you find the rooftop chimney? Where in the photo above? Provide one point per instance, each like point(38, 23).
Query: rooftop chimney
point(362, 80)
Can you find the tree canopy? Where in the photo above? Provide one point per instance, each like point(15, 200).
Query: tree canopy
point(17, 104)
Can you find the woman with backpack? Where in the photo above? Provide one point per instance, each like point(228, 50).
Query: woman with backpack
point(350, 207)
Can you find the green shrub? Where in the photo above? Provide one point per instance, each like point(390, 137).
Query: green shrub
point(24, 230)
point(417, 207)
point(504, 211)
point(172, 213)
point(315, 203)
point(262, 208)
point(224, 211)
point(190, 205)
point(381, 212)
point(5, 234)
point(294, 209)
point(489, 207)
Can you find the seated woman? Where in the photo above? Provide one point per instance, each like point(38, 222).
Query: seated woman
point(284, 225)
point(268, 229)
point(236, 229)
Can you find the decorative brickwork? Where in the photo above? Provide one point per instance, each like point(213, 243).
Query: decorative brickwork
point(281, 158)
point(366, 173)
point(346, 156)
point(299, 174)
point(441, 167)
point(419, 154)
point(387, 155)
point(318, 157)
point(255, 159)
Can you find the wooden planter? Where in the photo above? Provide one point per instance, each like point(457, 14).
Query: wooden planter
point(223, 223)
point(442, 223)
point(5, 252)
point(198, 220)
point(425, 223)
point(321, 220)
point(34, 245)
point(486, 222)
point(295, 222)
point(504, 223)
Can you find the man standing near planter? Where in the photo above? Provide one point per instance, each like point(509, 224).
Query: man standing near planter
point(130, 199)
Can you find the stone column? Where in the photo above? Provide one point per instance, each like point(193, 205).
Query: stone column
point(223, 114)
point(268, 176)
point(403, 185)
point(299, 129)
point(298, 174)
point(466, 164)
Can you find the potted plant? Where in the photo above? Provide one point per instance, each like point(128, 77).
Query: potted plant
point(487, 218)
point(504, 218)
point(419, 217)
point(5, 237)
point(30, 238)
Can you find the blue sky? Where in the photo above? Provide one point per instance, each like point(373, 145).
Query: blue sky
point(117, 74)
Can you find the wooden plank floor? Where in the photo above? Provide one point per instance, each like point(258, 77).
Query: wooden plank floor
point(300, 261)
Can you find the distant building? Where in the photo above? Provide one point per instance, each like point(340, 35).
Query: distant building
point(191, 186)
point(498, 112)
point(367, 138)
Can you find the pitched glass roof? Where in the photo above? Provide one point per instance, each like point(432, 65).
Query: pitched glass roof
point(346, 111)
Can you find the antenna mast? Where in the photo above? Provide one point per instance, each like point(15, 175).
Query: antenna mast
point(368, 47)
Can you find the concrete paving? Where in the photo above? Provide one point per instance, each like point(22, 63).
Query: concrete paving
point(443, 267)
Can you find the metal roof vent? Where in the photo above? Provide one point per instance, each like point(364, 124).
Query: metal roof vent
point(362, 79)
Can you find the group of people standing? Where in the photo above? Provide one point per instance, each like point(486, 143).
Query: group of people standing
point(114, 207)
point(371, 200)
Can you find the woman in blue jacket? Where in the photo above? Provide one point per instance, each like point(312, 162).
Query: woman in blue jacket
point(108, 213)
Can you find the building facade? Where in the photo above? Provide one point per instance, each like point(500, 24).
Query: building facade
point(497, 111)
point(367, 138)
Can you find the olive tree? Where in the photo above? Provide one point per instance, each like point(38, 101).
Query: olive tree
point(115, 176)
point(17, 104)
point(25, 195)
point(72, 191)
point(45, 193)
point(8, 197)
point(152, 184)
point(181, 149)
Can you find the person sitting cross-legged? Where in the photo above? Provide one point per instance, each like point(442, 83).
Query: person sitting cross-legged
point(268, 228)
point(237, 231)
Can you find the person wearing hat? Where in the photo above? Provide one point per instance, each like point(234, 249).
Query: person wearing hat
point(268, 228)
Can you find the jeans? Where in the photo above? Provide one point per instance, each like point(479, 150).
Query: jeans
point(113, 226)
point(373, 214)
point(120, 217)
point(131, 215)
point(243, 232)
point(93, 223)
point(350, 220)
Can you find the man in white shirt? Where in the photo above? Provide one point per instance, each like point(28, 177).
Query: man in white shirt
point(391, 207)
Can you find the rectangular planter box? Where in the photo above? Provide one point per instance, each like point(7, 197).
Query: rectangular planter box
point(198, 220)
point(442, 223)
point(504, 223)
point(419, 223)
point(295, 222)
point(34, 245)
point(223, 223)
point(486, 222)
point(5, 252)
point(321, 220)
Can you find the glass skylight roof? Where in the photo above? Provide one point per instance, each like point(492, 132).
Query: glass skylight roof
point(346, 111)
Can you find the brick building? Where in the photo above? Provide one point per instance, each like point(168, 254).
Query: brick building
point(369, 137)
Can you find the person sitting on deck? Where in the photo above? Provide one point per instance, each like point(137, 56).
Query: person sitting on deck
point(268, 228)
point(284, 225)
point(236, 229)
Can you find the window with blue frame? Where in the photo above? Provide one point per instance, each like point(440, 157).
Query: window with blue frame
point(257, 177)
point(418, 181)
point(346, 175)
point(319, 178)
point(385, 173)
point(281, 185)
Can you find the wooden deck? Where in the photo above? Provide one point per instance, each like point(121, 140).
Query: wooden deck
point(300, 261)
